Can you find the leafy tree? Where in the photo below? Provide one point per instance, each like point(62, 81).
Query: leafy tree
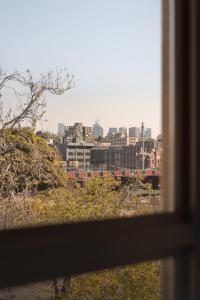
point(27, 164)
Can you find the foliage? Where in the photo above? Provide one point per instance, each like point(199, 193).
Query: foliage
point(27, 163)
point(98, 199)
point(130, 282)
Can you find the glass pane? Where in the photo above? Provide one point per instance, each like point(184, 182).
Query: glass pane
point(90, 150)
point(83, 147)
point(138, 282)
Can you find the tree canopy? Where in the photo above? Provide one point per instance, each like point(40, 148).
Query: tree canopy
point(27, 164)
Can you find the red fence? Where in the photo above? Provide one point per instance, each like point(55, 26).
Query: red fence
point(124, 173)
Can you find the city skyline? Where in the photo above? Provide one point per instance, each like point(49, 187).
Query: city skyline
point(106, 131)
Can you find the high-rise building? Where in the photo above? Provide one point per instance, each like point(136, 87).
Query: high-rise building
point(112, 131)
point(123, 130)
point(61, 130)
point(87, 133)
point(97, 130)
point(134, 132)
point(78, 133)
point(147, 134)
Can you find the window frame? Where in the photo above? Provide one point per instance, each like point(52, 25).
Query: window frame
point(46, 252)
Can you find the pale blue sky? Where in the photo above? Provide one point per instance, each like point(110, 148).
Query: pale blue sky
point(112, 47)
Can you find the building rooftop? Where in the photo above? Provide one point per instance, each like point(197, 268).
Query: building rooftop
point(85, 144)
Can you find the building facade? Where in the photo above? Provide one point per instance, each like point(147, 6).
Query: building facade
point(123, 131)
point(134, 132)
point(112, 131)
point(97, 131)
point(113, 157)
point(79, 155)
point(98, 157)
point(61, 130)
point(88, 134)
point(78, 133)
point(127, 157)
point(148, 133)
point(133, 140)
point(118, 139)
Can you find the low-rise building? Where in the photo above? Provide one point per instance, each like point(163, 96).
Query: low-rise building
point(127, 157)
point(148, 146)
point(79, 154)
point(98, 157)
point(113, 157)
point(147, 161)
point(118, 139)
point(133, 140)
point(121, 157)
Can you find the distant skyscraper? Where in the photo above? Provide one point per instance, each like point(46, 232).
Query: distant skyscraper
point(134, 132)
point(97, 130)
point(147, 134)
point(123, 130)
point(112, 131)
point(61, 130)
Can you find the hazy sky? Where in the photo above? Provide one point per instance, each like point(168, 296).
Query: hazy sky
point(112, 47)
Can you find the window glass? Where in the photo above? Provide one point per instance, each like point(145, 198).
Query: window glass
point(80, 127)
point(138, 282)
point(88, 146)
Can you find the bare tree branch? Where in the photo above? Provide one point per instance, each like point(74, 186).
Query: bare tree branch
point(32, 102)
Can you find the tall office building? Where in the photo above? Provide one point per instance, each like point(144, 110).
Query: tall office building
point(123, 130)
point(134, 132)
point(147, 134)
point(61, 130)
point(112, 131)
point(97, 130)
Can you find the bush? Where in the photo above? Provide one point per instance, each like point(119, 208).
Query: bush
point(27, 164)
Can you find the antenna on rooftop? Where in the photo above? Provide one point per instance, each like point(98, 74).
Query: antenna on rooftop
point(142, 136)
